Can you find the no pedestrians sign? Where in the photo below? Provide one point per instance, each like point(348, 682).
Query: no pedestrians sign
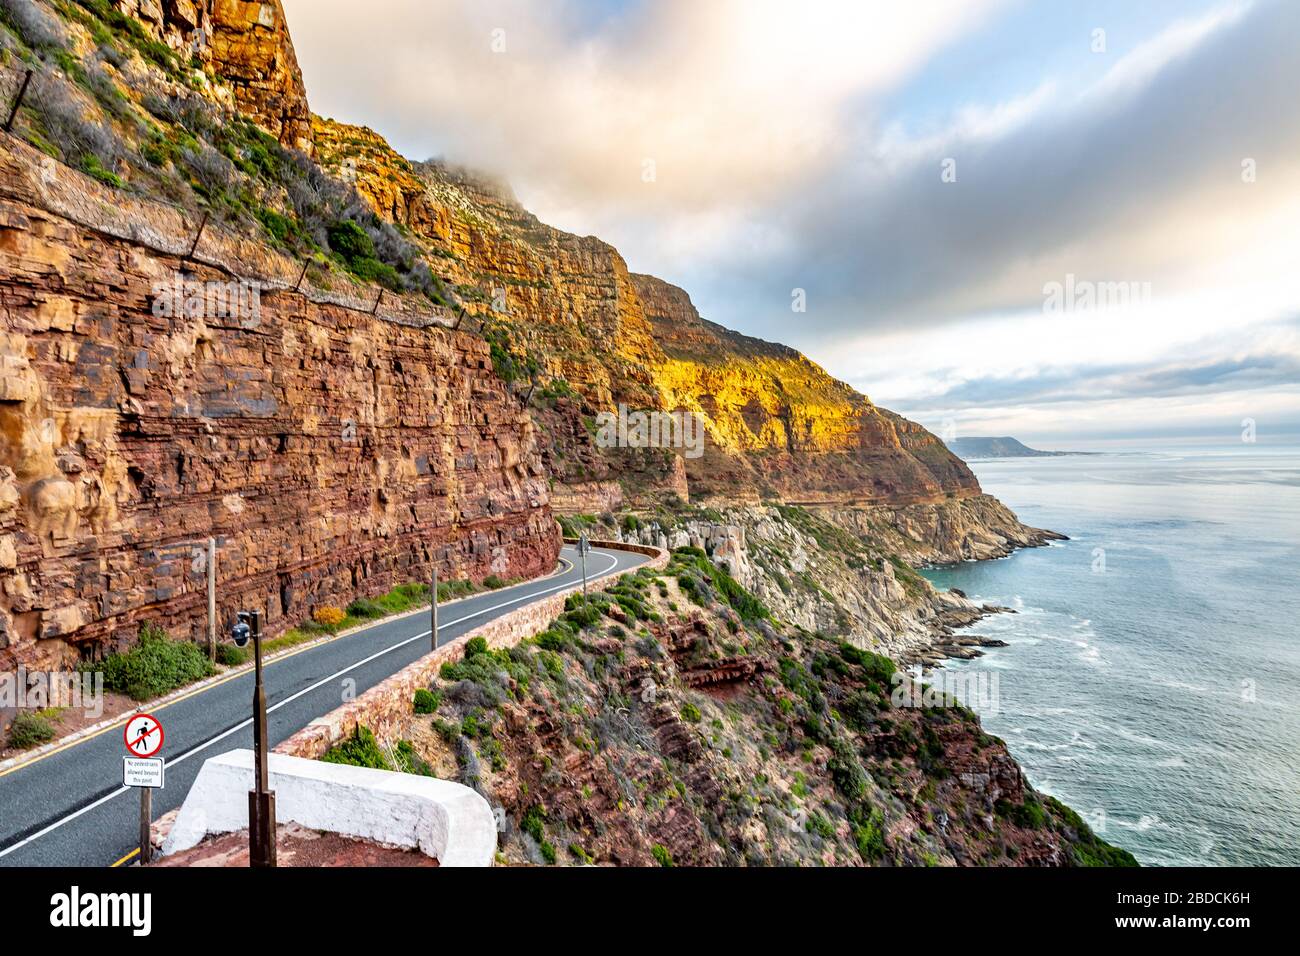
point(143, 735)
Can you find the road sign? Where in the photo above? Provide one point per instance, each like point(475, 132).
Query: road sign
point(143, 772)
point(584, 544)
point(143, 735)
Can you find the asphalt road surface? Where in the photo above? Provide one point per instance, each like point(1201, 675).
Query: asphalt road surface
point(69, 808)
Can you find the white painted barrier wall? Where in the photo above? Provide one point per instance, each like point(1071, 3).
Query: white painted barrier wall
point(445, 820)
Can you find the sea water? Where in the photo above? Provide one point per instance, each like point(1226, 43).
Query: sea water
point(1152, 680)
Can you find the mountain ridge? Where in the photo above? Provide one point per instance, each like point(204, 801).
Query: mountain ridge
point(563, 324)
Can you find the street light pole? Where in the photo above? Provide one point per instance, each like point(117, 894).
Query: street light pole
point(261, 801)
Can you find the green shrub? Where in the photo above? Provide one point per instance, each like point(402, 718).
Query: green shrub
point(359, 750)
point(155, 666)
point(426, 701)
point(552, 640)
point(454, 589)
point(878, 667)
point(411, 762)
point(475, 646)
point(93, 166)
point(821, 826)
point(694, 569)
point(365, 608)
point(661, 854)
point(533, 822)
point(691, 712)
point(583, 616)
point(582, 855)
point(869, 836)
point(231, 656)
point(28, 730)
point(1029, 814)
point(350, 242)
point(493, 583)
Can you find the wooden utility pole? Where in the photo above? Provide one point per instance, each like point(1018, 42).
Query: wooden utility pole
point(212, 599)
point(433, 612)
point(146, 826)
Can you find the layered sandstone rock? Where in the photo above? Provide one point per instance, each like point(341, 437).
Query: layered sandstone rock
point(777, 425)
point(332, 454)
point(247, 45)
point(801, 435)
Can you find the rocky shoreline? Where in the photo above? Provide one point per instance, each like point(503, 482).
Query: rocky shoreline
point(850, 572)
point(948, 643)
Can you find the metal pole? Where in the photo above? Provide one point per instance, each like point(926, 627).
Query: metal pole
point(212, 599)
point(583, 552)
point(433, 612)
point(197, 236)
point(22, 91)
point(146, 823)
point(261, 802)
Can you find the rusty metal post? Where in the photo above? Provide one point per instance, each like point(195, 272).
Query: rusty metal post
point(22, 91)
point(197, 236)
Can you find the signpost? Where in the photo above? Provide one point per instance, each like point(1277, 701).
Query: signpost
point(147, 772)
point(143, 736)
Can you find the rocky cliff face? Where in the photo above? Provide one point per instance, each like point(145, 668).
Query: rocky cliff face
point(777, 426)
point(148, 404)
point(247, 45)
point(781, 424)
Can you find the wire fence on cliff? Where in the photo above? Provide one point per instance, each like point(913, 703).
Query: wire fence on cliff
point(206, 242)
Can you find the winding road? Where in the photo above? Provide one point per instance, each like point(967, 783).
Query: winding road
point(69, 808)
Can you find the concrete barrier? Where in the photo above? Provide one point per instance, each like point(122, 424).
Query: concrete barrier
point(444, 820)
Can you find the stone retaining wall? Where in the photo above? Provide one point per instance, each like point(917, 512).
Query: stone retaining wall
point(385, 707)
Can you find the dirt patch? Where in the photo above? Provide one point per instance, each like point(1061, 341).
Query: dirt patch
point(296, 846)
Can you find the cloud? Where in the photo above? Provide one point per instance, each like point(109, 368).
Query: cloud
point(735, 102)
point(1138, 178)
point(1075, 384)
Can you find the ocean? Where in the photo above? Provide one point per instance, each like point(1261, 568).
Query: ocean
point(1152, 677)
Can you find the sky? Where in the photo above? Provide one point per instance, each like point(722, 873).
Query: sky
point(1069, 222)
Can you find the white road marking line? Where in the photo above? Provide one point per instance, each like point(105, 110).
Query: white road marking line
point(288, 700)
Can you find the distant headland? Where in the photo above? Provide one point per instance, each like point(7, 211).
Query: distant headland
point(1004, 447)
